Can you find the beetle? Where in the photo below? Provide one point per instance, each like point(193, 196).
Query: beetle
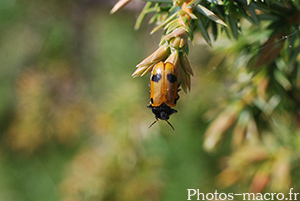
point(163, 91)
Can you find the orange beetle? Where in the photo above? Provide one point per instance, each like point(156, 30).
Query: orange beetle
point(163, 91)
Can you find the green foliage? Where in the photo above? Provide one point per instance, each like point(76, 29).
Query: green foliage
point(74, 124)
point(264, 98)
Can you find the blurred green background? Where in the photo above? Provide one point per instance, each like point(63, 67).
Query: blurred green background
point(74, 123)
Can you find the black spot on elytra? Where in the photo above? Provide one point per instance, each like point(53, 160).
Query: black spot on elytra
point(156, 77)
point(171, 78)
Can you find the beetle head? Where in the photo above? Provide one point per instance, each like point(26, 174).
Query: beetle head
point(162, 112)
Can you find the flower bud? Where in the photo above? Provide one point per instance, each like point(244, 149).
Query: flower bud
point(182, 43)
point(139, 71)
point(148, 69)
point(179, 32)
point(175, 43)
point(174, 59)
point(147, 64)
point(159, 55)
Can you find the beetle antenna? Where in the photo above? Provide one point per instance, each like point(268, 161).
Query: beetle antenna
point(153, 123)
point(170, 125)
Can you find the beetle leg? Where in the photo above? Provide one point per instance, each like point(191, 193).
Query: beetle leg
point(176, 99)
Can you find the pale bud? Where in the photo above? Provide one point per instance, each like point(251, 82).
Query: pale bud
point(182, 43)
point(179, 32)
point(175, 43)
point(147, 64)
point(174, 59)
point(159, 55)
